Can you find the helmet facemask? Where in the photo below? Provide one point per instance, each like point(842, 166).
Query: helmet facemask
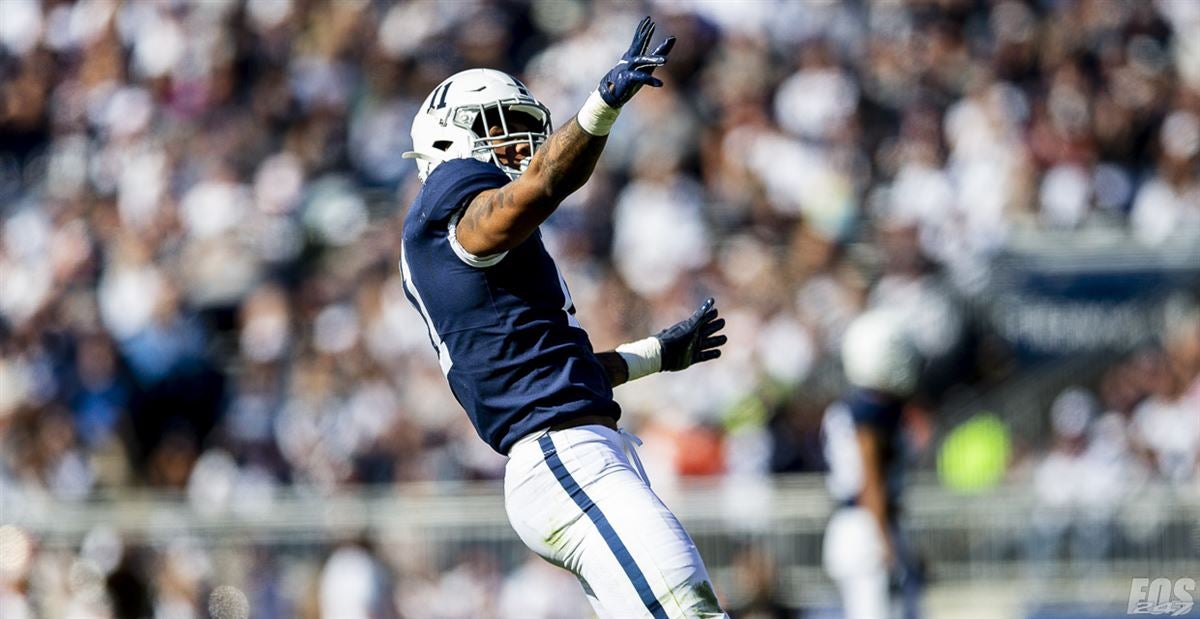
point(519, 122)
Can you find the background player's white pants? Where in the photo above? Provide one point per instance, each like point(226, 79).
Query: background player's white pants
point(575, 498)
point(854, 559)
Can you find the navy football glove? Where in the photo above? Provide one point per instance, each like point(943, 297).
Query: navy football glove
point(636, 69)
point(693, 340)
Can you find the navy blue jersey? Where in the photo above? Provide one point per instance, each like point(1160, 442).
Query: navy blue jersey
point(863, 408)
point(503, 326)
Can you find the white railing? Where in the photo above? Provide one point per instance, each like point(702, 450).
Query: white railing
point(964, 539)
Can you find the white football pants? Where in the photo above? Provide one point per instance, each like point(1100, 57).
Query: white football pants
point(854, 559)
point(579, 499)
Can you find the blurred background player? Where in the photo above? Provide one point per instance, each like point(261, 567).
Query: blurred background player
point(503, 325)
point(864, 551)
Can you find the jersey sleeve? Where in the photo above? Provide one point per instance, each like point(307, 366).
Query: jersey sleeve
point(448, 190)
point(874, 409)
point(453, 184)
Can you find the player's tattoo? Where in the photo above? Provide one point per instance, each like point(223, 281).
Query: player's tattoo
point(614, 366)
point(568, 159)
point(502, 218)
point(502, 198)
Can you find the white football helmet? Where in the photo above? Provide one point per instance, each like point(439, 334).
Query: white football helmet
point(454, 119)
point(878, 353)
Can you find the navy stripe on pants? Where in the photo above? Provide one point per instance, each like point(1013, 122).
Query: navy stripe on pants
point(593, 512)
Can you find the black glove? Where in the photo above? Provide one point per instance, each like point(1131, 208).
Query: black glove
point(693, 340)
point(635, 69)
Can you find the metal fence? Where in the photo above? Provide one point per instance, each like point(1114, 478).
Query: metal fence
point(1001, 536)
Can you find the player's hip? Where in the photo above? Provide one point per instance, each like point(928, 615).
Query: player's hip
point(550, 470)
point(571, 447)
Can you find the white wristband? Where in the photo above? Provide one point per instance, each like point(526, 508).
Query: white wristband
point(643, 357)
point(597, 117)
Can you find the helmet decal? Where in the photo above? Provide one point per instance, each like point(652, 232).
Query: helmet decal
point(439, 95)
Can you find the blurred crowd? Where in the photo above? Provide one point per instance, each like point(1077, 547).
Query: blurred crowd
point(202, 203)
point(1140, 422)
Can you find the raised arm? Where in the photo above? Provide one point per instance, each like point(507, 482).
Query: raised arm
point(500, 219)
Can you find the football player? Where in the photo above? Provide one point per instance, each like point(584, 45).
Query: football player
point(864, 553)
point(502, 322)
